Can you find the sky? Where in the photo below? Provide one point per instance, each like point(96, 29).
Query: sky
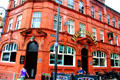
point(115, 4)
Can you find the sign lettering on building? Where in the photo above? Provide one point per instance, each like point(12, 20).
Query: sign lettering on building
point(84, 32)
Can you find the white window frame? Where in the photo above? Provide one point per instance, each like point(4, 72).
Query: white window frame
point(10, 24)
point(100, 15)
point(64, 54)
point(34, 17)
point(9, 48)
point(71, 27)
point(116, 40)
point(92, 12)
point(113, 21)
point(102, 55)
point(81, 6)
point(82, 29)
point(71, 4)
point(108, 19)
point(102, 35)
point(18, 23)
point(60, 22)
point(115, 57)
point(94, 33)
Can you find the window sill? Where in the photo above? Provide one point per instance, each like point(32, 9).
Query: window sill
point(11, 64)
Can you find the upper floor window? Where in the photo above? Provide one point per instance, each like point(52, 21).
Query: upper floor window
point(100, 16)
point(82, 29)
point(116, 40)
point(71, 4)
point(59, 1)
point(113, 20)
point(36, 20)
point(71, 27)
point(15, 3)
point(9, 52)
point(22, 1)
point(19, 18)
point(94, 33)
point(55, 22)
point(92, 12)
point(10, 24)
point(108, 19)
point(119, 23)
point(66, 55)
point(115, 60)
point(99, 59)
point(81, 6)
point(102, 35)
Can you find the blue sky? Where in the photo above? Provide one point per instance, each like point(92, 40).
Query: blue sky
point(115, 4)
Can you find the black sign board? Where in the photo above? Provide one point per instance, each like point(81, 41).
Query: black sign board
point(22, 59)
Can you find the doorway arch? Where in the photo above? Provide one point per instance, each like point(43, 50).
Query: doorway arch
point(84, 58)
point(31, 58)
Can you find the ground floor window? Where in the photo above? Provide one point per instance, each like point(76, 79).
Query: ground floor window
point(9, 52)
point(115, 60)
point(66, 55)
point(99, 59)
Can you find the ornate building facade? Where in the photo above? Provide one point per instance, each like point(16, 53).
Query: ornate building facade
point(88, 37)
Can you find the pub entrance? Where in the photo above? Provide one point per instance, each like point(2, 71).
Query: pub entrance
point(84, 57)
point(31, 59)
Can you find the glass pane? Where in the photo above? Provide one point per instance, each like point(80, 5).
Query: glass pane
point(68, 60)
point(13, 57)
point(112, 62)
point(102, 62)
point(69, 50)
point(73, 51)
point(65, 49)
point(59, 59)
point(95, 62)
point(5, 57)
point(52, 48)
point(52, 58)
point(60, 49)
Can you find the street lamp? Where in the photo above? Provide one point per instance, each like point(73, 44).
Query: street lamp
point(3, 14)
point(56, 43)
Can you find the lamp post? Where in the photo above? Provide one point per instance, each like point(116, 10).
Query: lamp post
point(56, 43)
point(4, 14)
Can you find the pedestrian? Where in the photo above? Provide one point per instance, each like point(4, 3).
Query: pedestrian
point(81, 71)
point(23, 73)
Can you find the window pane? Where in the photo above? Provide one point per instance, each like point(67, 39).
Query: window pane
point(68, 60)
point(112, 62)
point(5, 56)
point(52, 48)
point(13, 57)
point(102, 62)
point(59, 61)
point(60, 49)
point(65, 49)
point(69, 50)
point(52, 58)
point(95, 62)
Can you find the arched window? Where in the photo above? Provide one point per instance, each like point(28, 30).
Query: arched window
point(81, 6)
point(66, 55)
point(92, 12)
point(9, 52)
point(99, 59)
point(115, 60)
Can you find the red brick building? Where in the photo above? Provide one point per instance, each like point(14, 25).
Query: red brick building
point(29, 35)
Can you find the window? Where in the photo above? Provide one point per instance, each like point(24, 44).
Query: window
point(113, 20)
point(36, 20)
point(108, 19)
point(66, 55)
point(9, 52)
point(92, 12)
point(99, 59)
point(22, 1)
point(19, 18)
point(71, 4)
point(71, 27)
point(15, 3)
point(55, 23)
point(94, 33)
point(100, 16)
point(115, 60)
point(82, 29)
point(10, 24)
point(59, 1)
point(102, 35)
point(119, 24)
point(110, 42)
point(81, 6)
point(116, 40)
